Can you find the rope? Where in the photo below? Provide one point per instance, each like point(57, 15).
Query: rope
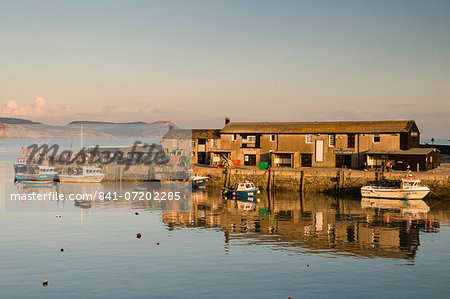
point(438, 195)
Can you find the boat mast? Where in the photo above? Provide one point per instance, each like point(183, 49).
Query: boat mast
point(81, 135)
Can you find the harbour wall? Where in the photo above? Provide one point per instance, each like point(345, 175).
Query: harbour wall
point(330, 181)
point(322, 181)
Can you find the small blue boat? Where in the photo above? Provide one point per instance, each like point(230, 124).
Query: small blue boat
point(240, 189)
point(35, 172)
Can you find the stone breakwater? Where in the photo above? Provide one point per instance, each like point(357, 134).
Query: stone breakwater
point(322, 180)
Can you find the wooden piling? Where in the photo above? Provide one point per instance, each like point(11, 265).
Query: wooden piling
point(302, 181)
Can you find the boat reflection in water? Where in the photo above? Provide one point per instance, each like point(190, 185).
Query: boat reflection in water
point(411, 209)
point(315, 223)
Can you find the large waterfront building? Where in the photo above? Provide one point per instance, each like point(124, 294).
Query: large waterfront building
point(350, 144)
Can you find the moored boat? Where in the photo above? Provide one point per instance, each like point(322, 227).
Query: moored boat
point(408, 189)
point(240, 189)
point(27, 172)
point(198, 181)
point(85, 174)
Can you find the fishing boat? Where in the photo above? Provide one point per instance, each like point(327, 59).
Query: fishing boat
point(33, 172)
point(407, 189)
point(84, 174)
point(240, 189)
point(198, 181)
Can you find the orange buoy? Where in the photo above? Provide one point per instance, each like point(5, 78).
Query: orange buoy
point(279, 240)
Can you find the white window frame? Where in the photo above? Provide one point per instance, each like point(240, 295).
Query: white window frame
point(251, 139)
point(233, 137)
point(272, 137)
point(376, 135)
point(319, 150)
point(213, 142)
point(308, 138)
point(332, 137)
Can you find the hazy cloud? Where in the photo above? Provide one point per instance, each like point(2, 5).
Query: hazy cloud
point(39, 109)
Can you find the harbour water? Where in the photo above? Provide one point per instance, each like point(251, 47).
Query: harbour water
point(274, 246)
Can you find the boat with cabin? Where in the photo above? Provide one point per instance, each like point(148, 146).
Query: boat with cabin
point(84, 174)
point(405, 189)
point(34, 172)
point(198, 180)
point(240, 189)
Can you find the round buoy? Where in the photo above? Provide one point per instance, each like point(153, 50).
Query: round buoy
point(62, 249)
point(307, 265)
point(58, 216)
point(136, 213)
point(138, 235)
point(279, 240)
point(45, 283)
point(157, 243)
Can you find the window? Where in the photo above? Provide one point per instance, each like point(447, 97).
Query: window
point(309, 138)
point(251, 139)
point(272, 137)
point(214, 143)
point(332, 140)
point(233, 137)
point(376, 138)
point(351, 140)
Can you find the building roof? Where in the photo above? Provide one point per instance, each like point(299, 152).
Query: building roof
point(194, 134)
point(319, 127)
point(417, 151)
point(205, 134)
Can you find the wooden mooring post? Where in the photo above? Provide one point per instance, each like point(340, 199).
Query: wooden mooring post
point(302, 181)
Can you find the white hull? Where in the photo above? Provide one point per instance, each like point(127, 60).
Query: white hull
point(81, 178)
point(394, 193)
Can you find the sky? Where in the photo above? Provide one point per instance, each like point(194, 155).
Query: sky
point(196, 62)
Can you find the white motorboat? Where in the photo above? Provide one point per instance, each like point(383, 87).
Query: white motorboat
point(85, 174)
point(198, 180)
point(408, 189)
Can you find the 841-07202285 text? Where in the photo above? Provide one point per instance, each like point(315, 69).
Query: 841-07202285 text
point(102, 196)
point(140, 195)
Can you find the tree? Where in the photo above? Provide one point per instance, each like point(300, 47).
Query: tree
point(432, 140)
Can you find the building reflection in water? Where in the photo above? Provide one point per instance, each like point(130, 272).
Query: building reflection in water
point(313, 223)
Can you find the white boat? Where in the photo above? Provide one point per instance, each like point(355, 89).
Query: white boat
point(408, 189)
point(198, 180)
point(85, 174)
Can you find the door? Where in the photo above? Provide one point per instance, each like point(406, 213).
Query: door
point(249, 160)
point(201, 158)
point(319, 150)
point(306, 160)
point(344, 161)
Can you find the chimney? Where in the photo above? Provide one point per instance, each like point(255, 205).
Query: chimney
point(227, 120)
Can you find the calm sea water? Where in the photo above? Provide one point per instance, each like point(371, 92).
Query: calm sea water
point(274, 246)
